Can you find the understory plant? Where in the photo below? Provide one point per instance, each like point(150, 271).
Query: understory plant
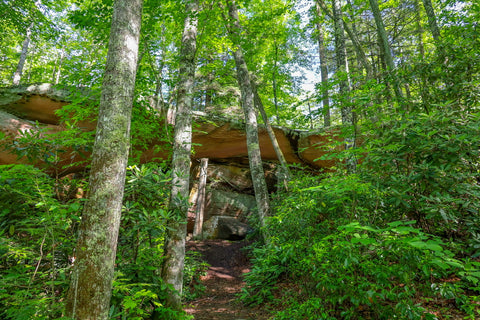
point(37, 236)
point(389, 238)
point(38, 224)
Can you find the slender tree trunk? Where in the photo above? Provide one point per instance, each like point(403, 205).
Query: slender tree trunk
point(58, 68)
point(274, 82)
point(254, 156)
point(284, 175)
point(382, 34)
point(348, 117)
point(341, 61)
point(17, 76)
point(200, 209)
point(172, 270)
point(432, 21)
point(91, 285)
point(419, 31)
point(353, 37)
point(323, 69)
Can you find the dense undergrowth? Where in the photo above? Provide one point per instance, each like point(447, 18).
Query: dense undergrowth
point(38, 223)
point(396, 239)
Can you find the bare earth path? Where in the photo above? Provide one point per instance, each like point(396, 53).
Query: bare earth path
point(223, 282)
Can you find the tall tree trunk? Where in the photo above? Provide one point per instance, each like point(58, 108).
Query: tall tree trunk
point(58, 67)
point(432, 21)
point(274, 82)
point(419, 31)
point(323, 69)
point(17, 76)
point(382, 34)
point(353, 37)
point(341, 61)
point(172, 269)
point(247, 93)
point(91, 285)
point(200, 208)
point(284, 174)
point(348, 117)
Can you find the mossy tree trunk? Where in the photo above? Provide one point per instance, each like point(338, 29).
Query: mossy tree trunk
point(251, 126)
point(90, 289)
point(172, 270)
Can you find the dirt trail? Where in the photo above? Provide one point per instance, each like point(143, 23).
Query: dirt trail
point(223, 282)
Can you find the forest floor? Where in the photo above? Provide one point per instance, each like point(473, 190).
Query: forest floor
point(223, 282)
point(228, 263)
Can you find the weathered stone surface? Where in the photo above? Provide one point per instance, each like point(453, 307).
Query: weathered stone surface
point(233, 175)
point(213, 137)
point(222, 227)
point(229, 203)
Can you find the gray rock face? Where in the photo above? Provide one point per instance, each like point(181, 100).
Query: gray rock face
point(229, 203)
point(224, 227)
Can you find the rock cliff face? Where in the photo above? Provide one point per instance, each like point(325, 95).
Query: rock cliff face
point(214, 138)
point(229, 201)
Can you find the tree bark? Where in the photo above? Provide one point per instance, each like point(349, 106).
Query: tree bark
point(432, 21)
point(251, 126)
point(341, 61)
point(284, 174)
point(200, 208)
point(274, 82)
point(382, 34)
point(17, 76)
point(348, 117)
point(323, 69)
point(353, 37)
point(90, 289)
point(174, 250)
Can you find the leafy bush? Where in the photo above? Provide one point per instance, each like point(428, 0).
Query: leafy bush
point(36, 241)
point(337, 256)
point(428, 165)
point(138, 291)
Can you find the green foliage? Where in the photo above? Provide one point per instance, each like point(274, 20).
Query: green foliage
point(333, 254)
point(38, 223)
point(36, 243)
point(432, 164)
point(194, 268)
point(138, 290)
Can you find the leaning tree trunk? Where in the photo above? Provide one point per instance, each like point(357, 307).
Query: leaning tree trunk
point(382, 34)
point(432, 21)
point(247, 93)
point(284, 174)
point(91, 285)
point(17, 76)
point(353, 37)
point(341, 61)
point(174, 251)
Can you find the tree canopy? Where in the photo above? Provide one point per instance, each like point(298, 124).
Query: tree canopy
point(391, 229)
